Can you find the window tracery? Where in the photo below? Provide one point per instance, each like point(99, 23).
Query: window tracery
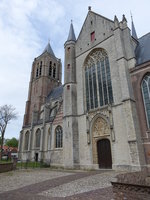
point(50, 68)
point(146, 96)
point(98, 80)
point(26, 140)
point(59, 137)
point(38, 138)
point(54, 71)
point(37, 70)
point(40, 71)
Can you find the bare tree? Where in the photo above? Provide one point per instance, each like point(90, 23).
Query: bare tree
point(7, 113)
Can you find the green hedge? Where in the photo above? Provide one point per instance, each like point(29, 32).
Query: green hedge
point(31, 165)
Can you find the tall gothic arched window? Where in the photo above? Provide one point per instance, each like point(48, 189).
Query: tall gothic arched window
point(59, 137)
point(98, 80)
point(37, 70)
point(20, 141)
point(37, 138)
point(50, 68)
point(26, 140)
point(54, 71)
point(40, 71)
point(146, 96)
point(49, 139)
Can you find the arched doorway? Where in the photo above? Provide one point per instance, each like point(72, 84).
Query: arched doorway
point(36, 157)
point(101, 145)
point(104, 154)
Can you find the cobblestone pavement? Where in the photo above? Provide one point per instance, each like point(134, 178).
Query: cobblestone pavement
point(45, 184)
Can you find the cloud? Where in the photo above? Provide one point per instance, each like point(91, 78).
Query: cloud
point(20, 42)
point(26, 26)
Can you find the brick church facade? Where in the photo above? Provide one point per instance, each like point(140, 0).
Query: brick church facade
point(100, 116)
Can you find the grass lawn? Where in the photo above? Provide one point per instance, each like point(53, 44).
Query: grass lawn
point(5, 161)
point(29, 164)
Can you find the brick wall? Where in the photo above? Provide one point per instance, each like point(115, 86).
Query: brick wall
point(5, 167)
point(131, 186)
point(124, 191)
point(59, 117)
point(137, 75)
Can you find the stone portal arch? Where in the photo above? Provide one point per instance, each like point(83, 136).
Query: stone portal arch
point(101, 145)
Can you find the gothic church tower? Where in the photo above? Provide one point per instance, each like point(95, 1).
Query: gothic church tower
point(45, 75)
point(70, 124)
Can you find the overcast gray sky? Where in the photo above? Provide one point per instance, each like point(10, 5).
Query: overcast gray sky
point(26, 26)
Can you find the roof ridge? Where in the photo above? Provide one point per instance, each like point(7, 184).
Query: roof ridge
point(144, 35)
point(57, 89)
point(94, 14)
point(102, 16)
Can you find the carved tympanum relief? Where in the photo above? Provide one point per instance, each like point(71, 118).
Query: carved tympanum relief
point(100, 130)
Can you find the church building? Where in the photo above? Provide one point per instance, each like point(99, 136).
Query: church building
point(100, 116)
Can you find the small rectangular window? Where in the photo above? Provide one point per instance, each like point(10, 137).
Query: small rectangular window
point(68, 87)
point(68, 66)
point(92, 36)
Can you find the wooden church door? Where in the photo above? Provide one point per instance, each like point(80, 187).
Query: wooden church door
point(104, 154)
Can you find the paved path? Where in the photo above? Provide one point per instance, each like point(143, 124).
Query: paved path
point(45, 184)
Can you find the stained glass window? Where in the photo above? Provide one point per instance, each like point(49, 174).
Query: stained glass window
point(20, 141)
point(49, 139)
point(50, 68)
point(37, 138)
point(37, 70)
point(94, 86)
point(87, 89)
point(146, 96)
point(110, 94)
point(98, 80)
point(26, 140)
point(54, 71)
point(59, 137)
point(40, 72)
point(91, 88)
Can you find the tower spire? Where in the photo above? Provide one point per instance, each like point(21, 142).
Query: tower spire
point(49, 49)
point(134, 35)
point(71, 36)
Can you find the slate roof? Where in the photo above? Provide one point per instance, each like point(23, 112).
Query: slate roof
point(134, 31)
point(71, 36)
point(49, 49)
point(142, 51)
point(55, 93)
